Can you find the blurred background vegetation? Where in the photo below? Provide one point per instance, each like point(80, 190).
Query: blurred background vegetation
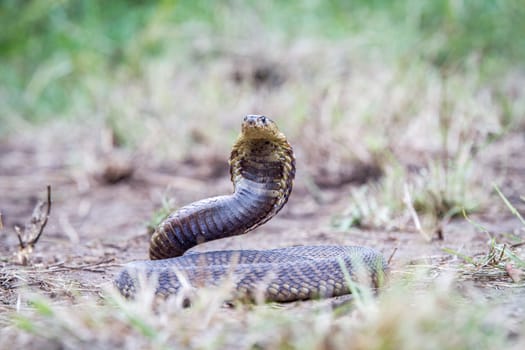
point(59, 57)
point(386, 83)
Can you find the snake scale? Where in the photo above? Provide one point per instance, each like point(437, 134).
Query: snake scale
point(262, 169)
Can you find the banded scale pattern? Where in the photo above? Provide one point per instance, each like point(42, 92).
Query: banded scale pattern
point(262, 169)
point(282, 275)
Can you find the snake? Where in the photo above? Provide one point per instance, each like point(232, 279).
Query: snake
point(262, 169)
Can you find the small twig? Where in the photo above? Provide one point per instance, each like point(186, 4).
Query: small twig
point(392, 255)
point(88, 269)
point(82, 267)
point(44, 222)
point(408, 202)
point(21, 242)
point(1, 222)
point(516, 245)
point(33, 231)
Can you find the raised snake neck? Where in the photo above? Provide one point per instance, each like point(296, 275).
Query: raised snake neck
point(262, 169)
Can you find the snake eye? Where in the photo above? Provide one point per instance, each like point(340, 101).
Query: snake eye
point(263, 119)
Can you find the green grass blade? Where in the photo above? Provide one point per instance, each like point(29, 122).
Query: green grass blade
point(466, 258)
point(509, 205)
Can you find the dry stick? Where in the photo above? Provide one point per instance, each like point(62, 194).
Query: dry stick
point(391, 255)
point(44, 223)
point(519, 244)
point(408, 202)
point(21, 242)
point(81, 267)
point(30, 238)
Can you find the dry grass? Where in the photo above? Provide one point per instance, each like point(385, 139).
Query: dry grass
point(437, 317)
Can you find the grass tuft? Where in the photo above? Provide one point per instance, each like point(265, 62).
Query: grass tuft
point(399, 318)
point(500, 256)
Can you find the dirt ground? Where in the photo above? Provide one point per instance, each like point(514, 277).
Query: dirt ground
point(96, 226)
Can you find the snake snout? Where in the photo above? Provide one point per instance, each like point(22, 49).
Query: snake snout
point(256, 120)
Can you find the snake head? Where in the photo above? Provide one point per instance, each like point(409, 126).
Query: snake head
point(260, 127)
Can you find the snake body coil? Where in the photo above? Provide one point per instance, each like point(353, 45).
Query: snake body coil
point(262, 169)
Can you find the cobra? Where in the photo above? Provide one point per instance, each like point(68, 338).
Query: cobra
point(262, 169)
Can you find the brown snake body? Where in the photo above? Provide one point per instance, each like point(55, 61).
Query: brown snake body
point(262, 168)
